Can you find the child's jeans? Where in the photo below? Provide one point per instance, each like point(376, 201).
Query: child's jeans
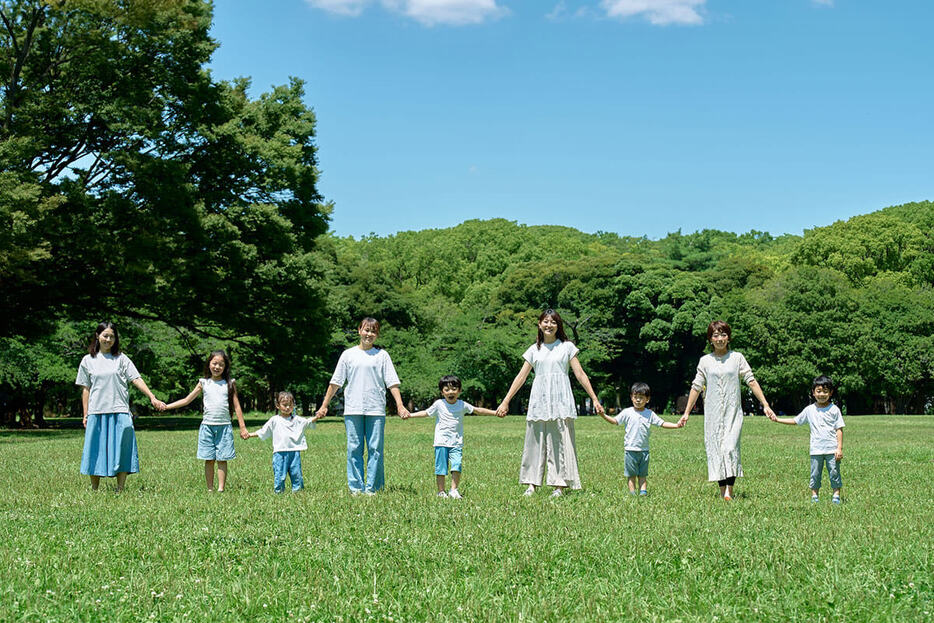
point(287, 463)
point(833, 468)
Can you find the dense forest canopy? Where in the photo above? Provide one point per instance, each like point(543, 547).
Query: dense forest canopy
point(135, 187)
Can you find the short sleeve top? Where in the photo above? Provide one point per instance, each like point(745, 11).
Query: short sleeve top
point(107, 377)
point(449, 422)
point(824, 423)
point(638, 426)
point(368, 373)
point(216, 401)
point(554, 358)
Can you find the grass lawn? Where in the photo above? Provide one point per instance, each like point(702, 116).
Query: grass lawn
point(166, 550)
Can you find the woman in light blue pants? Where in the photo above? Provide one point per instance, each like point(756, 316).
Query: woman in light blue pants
point(368, 372)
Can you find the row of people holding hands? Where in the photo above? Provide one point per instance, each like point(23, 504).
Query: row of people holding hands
point(366, 373)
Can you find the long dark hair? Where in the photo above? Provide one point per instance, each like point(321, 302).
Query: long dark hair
point(231, 387)
point(560, 334)
point(94, 346)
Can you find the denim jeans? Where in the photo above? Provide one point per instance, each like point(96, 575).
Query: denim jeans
point(287, 463)
point(833, 469)
point(365, 429)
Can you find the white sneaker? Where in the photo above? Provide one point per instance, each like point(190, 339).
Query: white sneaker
point(556, 493)
point(454, 493)
point(530, 490)
point(442, 494)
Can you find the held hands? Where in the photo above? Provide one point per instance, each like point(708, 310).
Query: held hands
point(683, 420)
point(320, 413)
point(598, 408)
point(403, 412)
point(158, 404)
point(771, 414)
point(244, 433)
point(503, 409)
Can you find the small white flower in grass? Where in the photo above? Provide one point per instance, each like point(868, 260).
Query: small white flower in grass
point(265, 605)
point(911, 585)
point(179, 596)
point(892, 595)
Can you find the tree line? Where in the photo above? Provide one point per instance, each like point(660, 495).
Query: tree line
point(135, 187)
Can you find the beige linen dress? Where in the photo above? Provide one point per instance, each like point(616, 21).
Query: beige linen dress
point(718, 378)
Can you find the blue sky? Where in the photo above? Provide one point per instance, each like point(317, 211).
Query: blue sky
point(639, 117)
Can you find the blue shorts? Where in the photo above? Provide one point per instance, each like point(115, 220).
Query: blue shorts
point(637, 463)
point(215, 442)
point(443, 454)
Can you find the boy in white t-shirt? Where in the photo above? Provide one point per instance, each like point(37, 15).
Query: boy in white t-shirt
point(638, 421)
point(826, 423)
point(449, 432)
point(288, 440)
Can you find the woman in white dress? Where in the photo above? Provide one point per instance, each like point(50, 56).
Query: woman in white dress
point(549, 429)
point(718, 377)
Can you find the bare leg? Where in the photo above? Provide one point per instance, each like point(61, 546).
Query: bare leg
point(221, 475)
point(439, 480)
point(642, 484)
point(722, 490)
point(209, 474)
point(121, 481)
point(455, 479)
point(729, 491)
point(814, 492)
point(95, 482)
point(632, 484)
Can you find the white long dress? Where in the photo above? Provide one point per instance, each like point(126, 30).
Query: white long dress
point(718, 378)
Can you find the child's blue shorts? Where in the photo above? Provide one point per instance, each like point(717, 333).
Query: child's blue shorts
point(443, 455)
point(215, 442)
point(637, 463)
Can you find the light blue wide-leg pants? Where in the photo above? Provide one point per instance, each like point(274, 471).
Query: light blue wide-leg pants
point(365, 430)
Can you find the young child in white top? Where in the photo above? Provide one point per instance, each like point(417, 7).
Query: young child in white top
point(826, 423)
point(288, 440)
point(638, 421)
point(449, 432)
point(215, 435)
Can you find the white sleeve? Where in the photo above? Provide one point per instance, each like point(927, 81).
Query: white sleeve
point(468, 408)
point(572, 350)
point(802, 417)
point(529, 354)
point(656, 420)
point(266, 431)
point(700, 379)
point(745, 371)
point(390, 377)
point(84, 375)
point(838, 424)
point(129, 369)
point(340, 372)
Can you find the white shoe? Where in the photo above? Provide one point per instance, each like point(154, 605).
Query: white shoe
point(442, 494)
point(454, 494)
point(530, 490)
point(556, 493)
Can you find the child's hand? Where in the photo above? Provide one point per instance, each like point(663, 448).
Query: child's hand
point(679, 424)
point(772, 417)
point(598, 408)
point(683, 421)
point(320, 413)
point(502, 410)
point(244, 433)
point(404, 413)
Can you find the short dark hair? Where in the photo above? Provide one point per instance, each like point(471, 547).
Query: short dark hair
point(94, 346)
point(449, 379)
point(641, 388)
point(823, 381)
point(718, 325)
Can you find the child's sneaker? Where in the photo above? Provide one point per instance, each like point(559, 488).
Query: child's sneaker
point(556, 493)
point(442, 494)
point(454, 494)
point(643, 492)
point(727, 497)
point(814, 499)
point(530, 490)
point(836, 499)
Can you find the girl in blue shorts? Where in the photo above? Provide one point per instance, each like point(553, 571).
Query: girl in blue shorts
point(215, 436)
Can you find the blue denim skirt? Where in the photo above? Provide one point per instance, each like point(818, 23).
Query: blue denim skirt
point(109, 445)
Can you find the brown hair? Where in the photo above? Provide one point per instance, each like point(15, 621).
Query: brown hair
point(718, 326)
point(94, 346)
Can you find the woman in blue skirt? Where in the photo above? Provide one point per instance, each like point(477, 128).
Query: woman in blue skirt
point(109, 438)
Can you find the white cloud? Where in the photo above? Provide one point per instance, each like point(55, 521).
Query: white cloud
point(658, 12)
point(453, 12)
point(427, 12)
point(351, 8)
point(558, 12)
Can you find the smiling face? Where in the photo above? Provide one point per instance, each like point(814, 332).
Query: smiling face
point(822, 395)
point(106, 339)
point(720, 340)
point(285, 405)
point(217, 366)
point(451, 393)
point(639, 401)
point(368, 333)
point(549, 328)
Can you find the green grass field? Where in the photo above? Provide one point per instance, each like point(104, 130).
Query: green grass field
point(166, 550)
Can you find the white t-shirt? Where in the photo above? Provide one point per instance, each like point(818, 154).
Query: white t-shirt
point(287, 433)
point(638, 426)
point(449, 422)
point(216, 405)
point(551, 397)
point(368, 373)
point(824, 423)
point(107, 376)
